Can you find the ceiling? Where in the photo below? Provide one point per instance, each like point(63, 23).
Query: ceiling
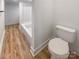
point(18, 0)
point(11, 0)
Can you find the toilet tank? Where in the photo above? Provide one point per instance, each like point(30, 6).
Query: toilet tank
point(67, 34)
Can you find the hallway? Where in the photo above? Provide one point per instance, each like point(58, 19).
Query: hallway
point(15, 46)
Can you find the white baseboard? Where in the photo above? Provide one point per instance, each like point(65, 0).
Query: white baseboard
point(1, 42)
point(77, 53)
point(34, 52)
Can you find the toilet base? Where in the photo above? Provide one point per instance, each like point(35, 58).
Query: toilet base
point(59, 57)
point(56, 51)
point(52, 57)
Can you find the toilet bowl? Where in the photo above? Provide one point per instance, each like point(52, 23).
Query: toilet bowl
point(58, 48)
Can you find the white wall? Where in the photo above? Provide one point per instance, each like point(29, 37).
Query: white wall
point(2, 30)
point(43, 21)
point(46, 12)
point(25, 12)
point(1, 4)
point(12, 12)
point(2, 25)
point(66, 12)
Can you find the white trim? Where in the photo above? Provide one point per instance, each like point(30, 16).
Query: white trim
point(32, 52)
point(77, 54)
point(37, 50)
point(1, 43)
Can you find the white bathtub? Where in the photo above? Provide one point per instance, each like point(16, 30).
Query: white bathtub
point(27, 30)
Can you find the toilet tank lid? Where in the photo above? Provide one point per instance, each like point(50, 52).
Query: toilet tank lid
point(65, 28)
point(59, 46)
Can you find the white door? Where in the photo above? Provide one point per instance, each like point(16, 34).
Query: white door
point(1, 5)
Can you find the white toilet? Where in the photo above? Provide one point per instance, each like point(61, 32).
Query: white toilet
point(58, 47)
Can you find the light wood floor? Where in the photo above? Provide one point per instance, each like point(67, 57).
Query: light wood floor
point(16, 46)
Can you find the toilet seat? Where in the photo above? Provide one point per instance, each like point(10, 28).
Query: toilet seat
point(58, 46)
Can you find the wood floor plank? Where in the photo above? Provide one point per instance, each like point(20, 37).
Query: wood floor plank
point(16, 46)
